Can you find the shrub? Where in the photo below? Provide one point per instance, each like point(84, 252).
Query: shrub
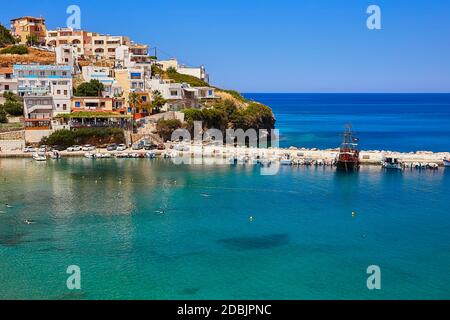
point(15, 50)
point(6, 38)
point(93, 88)
point(3, 117)
point(167, 127)
point(94, 136)
point(13, 108)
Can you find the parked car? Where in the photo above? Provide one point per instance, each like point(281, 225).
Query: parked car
point(150, 146)
point(138, 145)
point(74, 148)
point(111, 147)
point(88, 147)
point(28, 149)
point(121, 147)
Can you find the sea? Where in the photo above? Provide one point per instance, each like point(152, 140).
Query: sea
point(150, 229)
point(390, 122)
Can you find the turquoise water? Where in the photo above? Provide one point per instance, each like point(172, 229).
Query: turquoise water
point(148, 229)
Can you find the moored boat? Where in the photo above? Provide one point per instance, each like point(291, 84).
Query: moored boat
point(348, 157)
point(391, 163)
point(446, 163)
point(40, 156)
point(286, 161)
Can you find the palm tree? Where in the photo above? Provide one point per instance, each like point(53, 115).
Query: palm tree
point(133, 102)
point(157, 101)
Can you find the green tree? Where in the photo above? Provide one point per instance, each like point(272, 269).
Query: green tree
point(158, 101)
point(6, 38)
point(133, 102)
point(13, 108)
point(3, 117)
point(33, 40)
point(171, 70)
point(165, 128)
point(93, 88)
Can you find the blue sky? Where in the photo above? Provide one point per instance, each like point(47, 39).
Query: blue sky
point(280, 45)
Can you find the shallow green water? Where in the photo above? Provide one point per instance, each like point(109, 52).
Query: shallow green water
point(148, 229)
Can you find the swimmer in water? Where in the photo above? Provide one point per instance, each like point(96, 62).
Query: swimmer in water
point(160, 211)
point(29, 221)
point(205, 195)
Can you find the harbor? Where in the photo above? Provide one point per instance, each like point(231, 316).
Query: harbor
point(244, 155)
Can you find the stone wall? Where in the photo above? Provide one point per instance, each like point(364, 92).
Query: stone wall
point(12, 135)
point(35, 136)
point(11, 145)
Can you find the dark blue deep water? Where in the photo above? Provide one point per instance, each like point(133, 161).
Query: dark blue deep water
point(397, 122)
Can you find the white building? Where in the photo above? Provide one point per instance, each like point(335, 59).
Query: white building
point(180, 95)
point(104, 75)
point(7, 81)
point(104, 46)
point(198, 72)
point(53, 81)
point(132, 56)
point(66, 55)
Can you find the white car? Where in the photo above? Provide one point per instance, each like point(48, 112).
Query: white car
point(88, 147)
point(121, 147)
point(28, 149)
point(74, 148)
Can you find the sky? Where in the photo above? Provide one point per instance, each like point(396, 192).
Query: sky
point(279, 45)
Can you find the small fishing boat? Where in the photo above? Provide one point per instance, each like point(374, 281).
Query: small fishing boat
point(433, 166)
point(446, 163)
point(151, 154)
point(391, 163)
point(233, 160)
point(55, 155)
point(40, 156)
point(242, 159)
point(286, 161)
point(89, 155)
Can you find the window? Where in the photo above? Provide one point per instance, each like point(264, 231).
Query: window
point(58, 91)
point(173, 92)
point(64, 106)
point(6, 87)
point(64, 72)
point(65, 92)
point(42, 73)
point(53, 73)
point(210, 92)
point(77, 104)
point(144, 99)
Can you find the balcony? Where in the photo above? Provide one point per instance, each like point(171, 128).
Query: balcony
point(33, 90)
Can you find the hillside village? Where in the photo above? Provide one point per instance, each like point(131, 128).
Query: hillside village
point(66, 79)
